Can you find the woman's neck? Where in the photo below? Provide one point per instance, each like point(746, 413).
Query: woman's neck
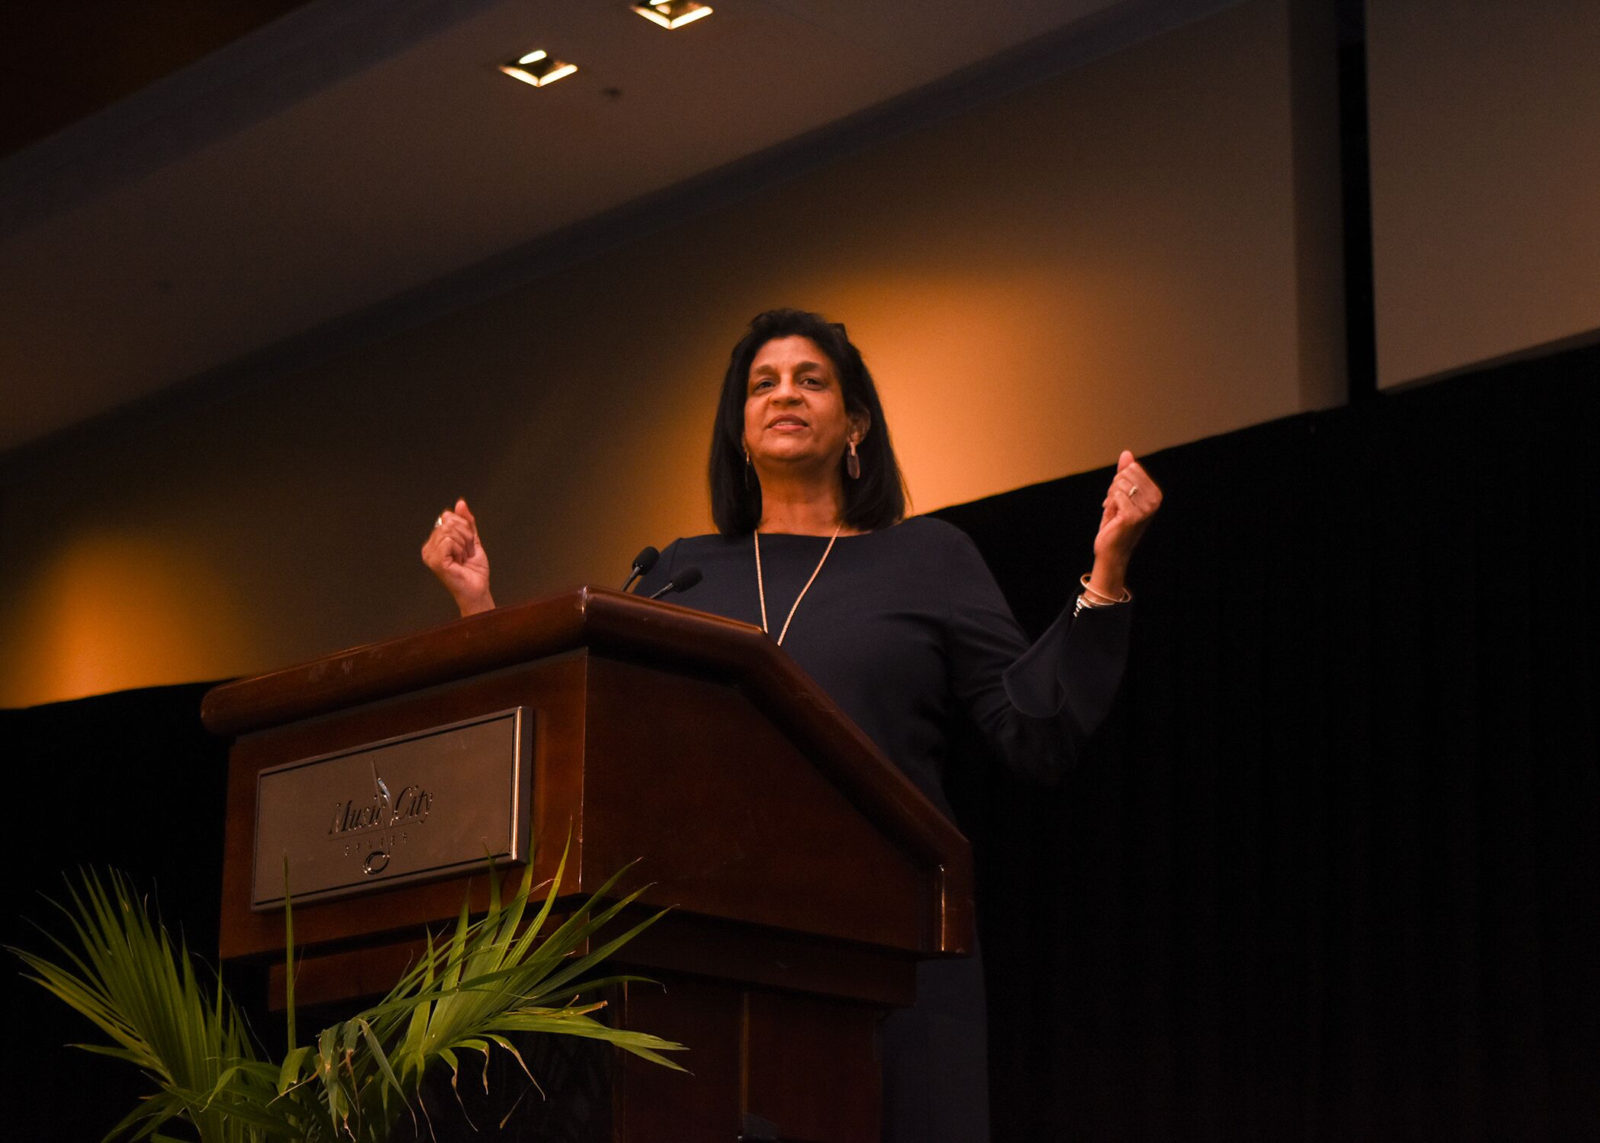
point(802, 509)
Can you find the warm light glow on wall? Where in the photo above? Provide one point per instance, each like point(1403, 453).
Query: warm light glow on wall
point(988, 380)
point(111, 612)
point(955, 440)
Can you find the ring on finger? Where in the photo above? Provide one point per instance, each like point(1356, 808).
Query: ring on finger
point(1133, 490)
point(438, 521)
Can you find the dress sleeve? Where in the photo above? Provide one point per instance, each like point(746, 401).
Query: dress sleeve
point(1035, 705)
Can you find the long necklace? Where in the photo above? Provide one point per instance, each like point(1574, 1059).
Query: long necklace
point(761, 587)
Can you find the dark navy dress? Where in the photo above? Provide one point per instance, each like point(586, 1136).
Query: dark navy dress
point(907, 632)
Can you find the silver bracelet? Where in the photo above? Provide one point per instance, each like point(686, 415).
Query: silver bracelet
point(1098, 599)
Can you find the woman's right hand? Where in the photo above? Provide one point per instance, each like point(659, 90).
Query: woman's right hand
point(454, 552)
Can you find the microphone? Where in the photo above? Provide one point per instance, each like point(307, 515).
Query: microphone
point(642, 563)
point(683, 581)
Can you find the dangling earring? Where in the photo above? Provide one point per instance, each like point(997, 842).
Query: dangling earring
point(852, 463)
point(747, 467)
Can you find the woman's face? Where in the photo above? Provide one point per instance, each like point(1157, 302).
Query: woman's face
point(794, 413)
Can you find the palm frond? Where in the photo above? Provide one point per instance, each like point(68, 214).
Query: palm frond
point(468, 992)
point(144, 993)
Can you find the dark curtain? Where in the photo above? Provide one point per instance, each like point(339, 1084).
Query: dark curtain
point(1329, 872)
point(130, 780)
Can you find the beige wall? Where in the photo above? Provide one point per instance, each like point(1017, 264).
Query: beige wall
point(1120, 256)
point(1485, 135)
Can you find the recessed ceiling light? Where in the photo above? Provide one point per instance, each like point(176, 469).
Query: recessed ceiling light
point(539, 68)
point(673, 13)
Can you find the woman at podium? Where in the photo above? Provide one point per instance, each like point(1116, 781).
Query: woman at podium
point(898, 620)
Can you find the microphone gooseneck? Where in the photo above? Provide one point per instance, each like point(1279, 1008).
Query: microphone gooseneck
point(683, 581)
point(642, 563)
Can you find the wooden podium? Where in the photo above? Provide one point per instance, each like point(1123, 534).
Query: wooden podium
point(806, 874)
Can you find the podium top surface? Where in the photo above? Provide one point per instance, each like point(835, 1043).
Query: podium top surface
point(600, 619)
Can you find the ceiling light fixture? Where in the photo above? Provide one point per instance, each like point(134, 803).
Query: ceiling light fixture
point(538, 68)
point(672, 13)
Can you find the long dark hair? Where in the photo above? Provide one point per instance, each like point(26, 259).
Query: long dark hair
point(876, 500)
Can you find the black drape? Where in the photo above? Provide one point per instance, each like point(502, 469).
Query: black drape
point(129, 780)
point(1329, 871)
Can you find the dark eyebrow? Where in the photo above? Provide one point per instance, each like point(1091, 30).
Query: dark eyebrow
point(817, 365)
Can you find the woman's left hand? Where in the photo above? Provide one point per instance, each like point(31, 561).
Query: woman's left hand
point(1130, 502)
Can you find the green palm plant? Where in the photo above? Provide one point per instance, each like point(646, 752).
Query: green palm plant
point(489, 979)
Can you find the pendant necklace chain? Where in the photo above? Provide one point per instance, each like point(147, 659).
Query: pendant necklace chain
point(761, 588)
